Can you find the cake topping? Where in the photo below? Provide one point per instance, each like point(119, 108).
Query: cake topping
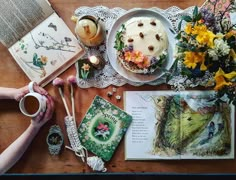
point(153, 23)
point(151, 48)
point(140, 24)
point(141, 35)
point(158, 37)
point(130, 40)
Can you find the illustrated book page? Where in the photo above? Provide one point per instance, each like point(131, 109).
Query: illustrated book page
point(47, 50)
point(24, 16)
point(178, 125)
point(103, 127)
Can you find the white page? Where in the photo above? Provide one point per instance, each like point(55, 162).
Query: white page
point(18, 17)
point(139, 137)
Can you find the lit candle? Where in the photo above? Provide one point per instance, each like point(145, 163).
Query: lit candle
point(94, 60)
point(97, 62)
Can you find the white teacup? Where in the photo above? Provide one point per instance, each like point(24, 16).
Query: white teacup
point(32, 103)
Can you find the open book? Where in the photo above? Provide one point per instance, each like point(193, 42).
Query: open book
point(38, 39)
point(178, 125)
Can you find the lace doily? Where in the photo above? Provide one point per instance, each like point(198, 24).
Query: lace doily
point(108, 76)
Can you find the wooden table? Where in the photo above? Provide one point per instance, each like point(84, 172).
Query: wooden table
point(37, 158)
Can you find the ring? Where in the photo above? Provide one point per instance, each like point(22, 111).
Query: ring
point(31, 86)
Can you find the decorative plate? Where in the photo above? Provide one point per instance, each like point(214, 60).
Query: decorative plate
point(111, 51)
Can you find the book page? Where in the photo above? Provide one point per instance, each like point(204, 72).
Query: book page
point(207, 128)
point(47, 50)
point(23, 17)
point(142, 140)
point(178, 125)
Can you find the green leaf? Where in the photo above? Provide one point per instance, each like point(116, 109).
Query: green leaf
point(195, 12)
point(187, 18)
point(179, 25)
point(182, 45)
point(193, 48)
point(187, 72)
point(178, 36)
point(185, 39)
point(35, 57)
point(37, 61)
point(198, 17)
point(234, 102)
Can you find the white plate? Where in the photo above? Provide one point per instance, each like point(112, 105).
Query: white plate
point(111, 51)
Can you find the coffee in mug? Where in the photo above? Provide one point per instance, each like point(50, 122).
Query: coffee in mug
point(32, 103)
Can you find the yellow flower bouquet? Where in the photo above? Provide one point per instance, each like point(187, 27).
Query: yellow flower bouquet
point(206, 51)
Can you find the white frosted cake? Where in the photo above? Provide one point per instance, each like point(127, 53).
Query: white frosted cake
point(142, 44)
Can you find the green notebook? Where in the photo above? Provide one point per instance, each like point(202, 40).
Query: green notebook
point(103, 127)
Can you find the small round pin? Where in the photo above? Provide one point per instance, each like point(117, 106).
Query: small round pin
point(118, 98)
point(109, 94)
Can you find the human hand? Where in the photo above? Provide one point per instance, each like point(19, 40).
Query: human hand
point(43, 117)
point(19, 93)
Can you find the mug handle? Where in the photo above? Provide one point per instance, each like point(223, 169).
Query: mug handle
point(31, 86)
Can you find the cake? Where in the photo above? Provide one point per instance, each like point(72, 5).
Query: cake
point(141, 44)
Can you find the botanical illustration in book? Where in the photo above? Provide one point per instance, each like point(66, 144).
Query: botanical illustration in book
point(38, 39)
point(45, 49)
point(103, 127)
point(179, 125)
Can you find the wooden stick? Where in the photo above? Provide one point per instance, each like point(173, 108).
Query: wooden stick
point(72, 102)
point(64, 101)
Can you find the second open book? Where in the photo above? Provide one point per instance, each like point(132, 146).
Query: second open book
point(178, 125)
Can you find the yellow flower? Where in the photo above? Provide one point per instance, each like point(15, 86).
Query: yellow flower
point(146, 62)
point(220, 82)
point(138, 57)
point(192, 58)
point(128, 56)
point(199, 28)
point(86, 67)
point(232, 54)
point(44, 59)
point(230, 33)
point(206, 38)
point(188, 28)
point(220, 79)
point(203, 66)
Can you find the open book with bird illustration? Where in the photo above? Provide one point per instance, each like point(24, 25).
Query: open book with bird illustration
point(178, 125)
point(38, 39)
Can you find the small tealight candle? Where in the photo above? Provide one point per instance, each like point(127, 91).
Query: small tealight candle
point(97, 62)
point(94, 60)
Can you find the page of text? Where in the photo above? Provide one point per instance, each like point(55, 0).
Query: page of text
point(18, 17)
point(142, 133)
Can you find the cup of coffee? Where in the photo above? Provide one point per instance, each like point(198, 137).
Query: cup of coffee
point(32, 103)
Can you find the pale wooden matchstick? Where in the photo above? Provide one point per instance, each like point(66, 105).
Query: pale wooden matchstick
point(72, 80)
point(59, 83)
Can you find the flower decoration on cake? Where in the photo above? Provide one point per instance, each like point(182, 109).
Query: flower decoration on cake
point(206, 51)
point(141, 45)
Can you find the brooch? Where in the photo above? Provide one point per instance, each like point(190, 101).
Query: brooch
point(55, 140)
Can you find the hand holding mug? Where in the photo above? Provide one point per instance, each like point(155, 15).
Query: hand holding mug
point(21, 92)
point(32, 103)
